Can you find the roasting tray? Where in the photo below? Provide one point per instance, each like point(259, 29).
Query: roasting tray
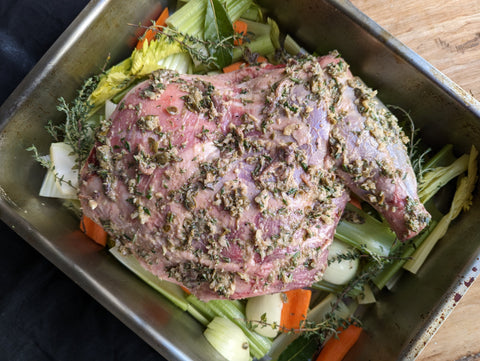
point(398, 325)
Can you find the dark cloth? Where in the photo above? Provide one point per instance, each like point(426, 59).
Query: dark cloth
point(43, 314)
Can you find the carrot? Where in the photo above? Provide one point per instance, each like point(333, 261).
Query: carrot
point(336, 348)
point(93, 230)
point(261, 59)
point(234, 66)
point(294, 310)
point(355, 201)
point(239, 27)
point(150, 34)
point(239, 64)
point(186, 290)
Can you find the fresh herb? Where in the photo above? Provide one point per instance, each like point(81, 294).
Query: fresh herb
point(219, 30)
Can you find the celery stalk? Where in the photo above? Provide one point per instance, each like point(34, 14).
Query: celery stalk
point(438, 177)
point(253, 13)
point(382, 278)
point(232, 348)
point(442, 157)
point(190, 18)
point(234, 311)
point(257, 28)
point(461, 200)
point(259, 345)
point(202, 307)
point(235, 8)
point(292, 47)
point(169, 290)
point(371, 235)
point(262, 45)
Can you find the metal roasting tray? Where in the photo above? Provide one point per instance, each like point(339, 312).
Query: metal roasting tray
point(398, 325)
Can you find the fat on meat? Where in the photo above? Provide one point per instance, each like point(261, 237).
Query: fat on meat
point(232, 185)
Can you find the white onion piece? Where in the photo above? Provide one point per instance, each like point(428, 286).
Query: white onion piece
point(109, 108)
point(339, 273)
point(63, 163)
point(266, 308)
point(228, 339)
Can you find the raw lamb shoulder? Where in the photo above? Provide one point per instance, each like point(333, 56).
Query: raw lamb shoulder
point(232, 185)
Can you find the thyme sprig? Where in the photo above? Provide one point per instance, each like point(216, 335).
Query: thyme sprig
point(197, 47)
point(417, 157)
point(77, 131)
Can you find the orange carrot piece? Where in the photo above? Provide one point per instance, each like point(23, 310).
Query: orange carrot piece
point(336, 348)
point(261, 59)
point(294, 310)
point(93, 230)
point(233, 67)
point(355, 201)
point(240, 27)
point(150, 34)
point(186, 290)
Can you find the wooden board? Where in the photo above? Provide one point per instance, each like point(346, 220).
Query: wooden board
point(447, 34)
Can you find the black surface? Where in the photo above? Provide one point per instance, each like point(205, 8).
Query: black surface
point(43, 314)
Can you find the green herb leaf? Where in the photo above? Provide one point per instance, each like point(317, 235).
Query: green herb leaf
point(219, 33)
point(301, 349)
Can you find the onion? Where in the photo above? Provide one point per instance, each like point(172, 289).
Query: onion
point(339, 272)
point(266, 310)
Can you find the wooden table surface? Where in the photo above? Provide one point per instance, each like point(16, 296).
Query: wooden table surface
point(447, 34)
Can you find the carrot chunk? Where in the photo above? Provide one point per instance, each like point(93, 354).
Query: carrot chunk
point(239, 27)
point(150, 34)
point(336, 348)
point(354, 200)
point(294, 311)
point(93, 230)
point(234, 66)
